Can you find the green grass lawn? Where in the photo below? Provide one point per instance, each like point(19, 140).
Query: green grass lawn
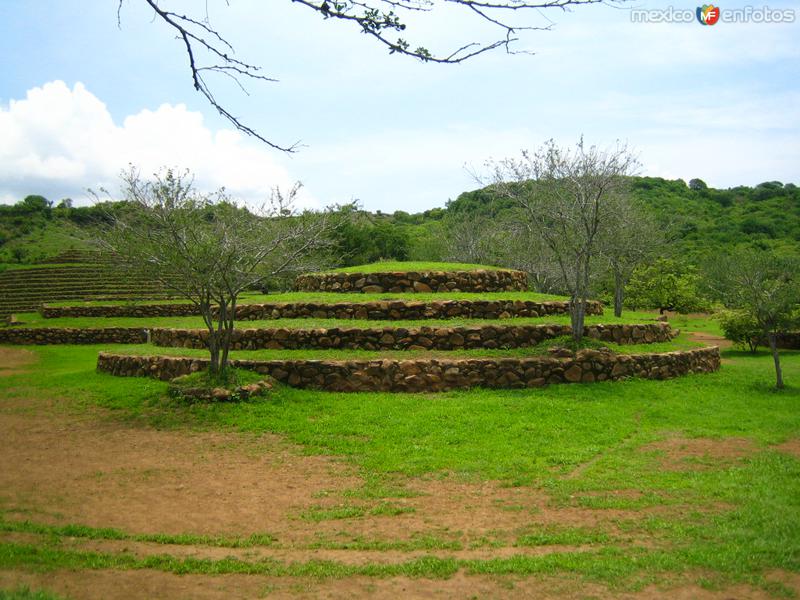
point(516, 435)
point(682, 342)
point(395, 266)
point(26, 593)
point(584, 446)
point(335, 298)
point(36, 320)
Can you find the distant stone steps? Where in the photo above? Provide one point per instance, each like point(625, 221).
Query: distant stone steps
point(25, 290)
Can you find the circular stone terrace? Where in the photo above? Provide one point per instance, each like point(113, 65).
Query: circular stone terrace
point(419, 277)
point(482, 342)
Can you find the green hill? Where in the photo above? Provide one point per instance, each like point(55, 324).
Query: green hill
point(702, 218)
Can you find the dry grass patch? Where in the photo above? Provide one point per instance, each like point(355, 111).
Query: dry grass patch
point(14, 360)
point(679, 453)
point(791, 446)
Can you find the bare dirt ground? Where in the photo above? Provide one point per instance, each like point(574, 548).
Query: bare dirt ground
point(90, 469)
point(14, 360)
point(102, 585)
point(709, 339)
point(790, 447)
point(680, 453)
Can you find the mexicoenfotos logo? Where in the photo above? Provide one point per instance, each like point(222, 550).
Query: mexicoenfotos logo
point(708, 14)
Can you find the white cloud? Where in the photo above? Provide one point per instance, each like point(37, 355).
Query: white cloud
point(59, 141)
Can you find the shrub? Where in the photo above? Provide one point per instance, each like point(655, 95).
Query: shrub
point(740, 328)
point(666, 285)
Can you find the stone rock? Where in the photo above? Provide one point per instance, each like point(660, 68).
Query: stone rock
point(560, 352)
point(456, 340)
point(220, 394)
point(422, 288)
point(425, 342)
point(573, 374)
point(619, 369)
point(409, 368)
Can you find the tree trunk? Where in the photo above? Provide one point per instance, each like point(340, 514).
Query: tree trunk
point(213, 349)
point(227, 338)
point(578, 301)
point(773, 345)
point(213, 338)
point(224, 338)
point(619, 293)
point(577, 310)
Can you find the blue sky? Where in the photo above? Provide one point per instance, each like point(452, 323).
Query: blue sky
point(81, 98)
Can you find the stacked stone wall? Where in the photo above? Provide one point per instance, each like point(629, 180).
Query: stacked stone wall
point(412, 338)
point(421, 375)
point(502, 280)
point(65, 335)
point(384, 310)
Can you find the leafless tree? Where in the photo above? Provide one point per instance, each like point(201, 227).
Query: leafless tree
point(522, 250)
point(504, 241)
point(381, 20)
point(205, 248)
point(472, 239)
point(631, 238)
point(567, 200)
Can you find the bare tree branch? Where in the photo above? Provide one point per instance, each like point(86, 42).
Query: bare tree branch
point(382, 20)
point(568, 198)
point(196, 34)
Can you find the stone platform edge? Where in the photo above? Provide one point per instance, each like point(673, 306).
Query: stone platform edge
point(383, 310)
point(502, 280)
point(420, 375)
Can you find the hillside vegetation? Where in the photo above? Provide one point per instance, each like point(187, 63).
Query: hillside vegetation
point(701, 219)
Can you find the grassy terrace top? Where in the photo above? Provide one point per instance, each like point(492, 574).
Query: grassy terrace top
point(682, 342)
point(337, 298)
point(399, 267)
point(27, 267)
point(35, 320)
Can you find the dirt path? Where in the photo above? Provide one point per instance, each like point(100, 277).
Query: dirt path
point(710, 339)
point(145, 584)
point(14, 360)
